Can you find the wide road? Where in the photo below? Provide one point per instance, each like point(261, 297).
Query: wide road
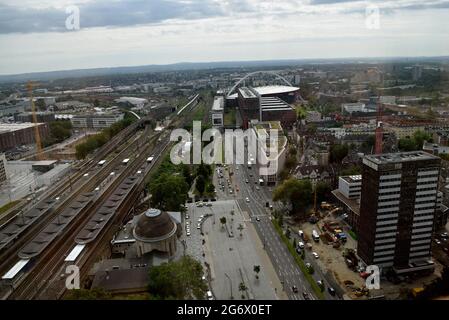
point(284, 264)
point(286, 267)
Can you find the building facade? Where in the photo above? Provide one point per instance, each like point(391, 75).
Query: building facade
point(397, 210)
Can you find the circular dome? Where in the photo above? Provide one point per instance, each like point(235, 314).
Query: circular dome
point(154, 225)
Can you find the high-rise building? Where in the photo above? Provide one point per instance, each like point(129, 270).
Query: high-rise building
point(397, 210)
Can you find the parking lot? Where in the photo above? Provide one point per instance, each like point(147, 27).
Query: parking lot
point(231, 253)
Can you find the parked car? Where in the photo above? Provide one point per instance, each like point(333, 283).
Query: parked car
point(247, 199)
point(315, 255)
point(306, 295)
point(301, 244)
point(295, 289)
point(331, 291)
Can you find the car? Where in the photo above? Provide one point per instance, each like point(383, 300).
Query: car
point(444, 235)
point(230, 191)
point(315, 255)
point(331, 291)
point(209, 295)
point(438, 242)
point(198, 226)
point(247, 181)
point(257, 219)
point(320, 284)
point(257, 188)
point(187, 223)
point(247, 199)
point(301, 233)
point(199, 204)
point(208, 204)
point(306, 295)
point(187, 216)
point(188, 233)
point(295, 289)
point(301, 244)
point(298, 250)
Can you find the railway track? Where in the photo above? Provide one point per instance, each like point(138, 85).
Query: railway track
point(53, 257)
point(8, 255)
point(36, 283)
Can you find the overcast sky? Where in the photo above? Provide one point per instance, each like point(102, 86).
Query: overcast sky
point(34, 37)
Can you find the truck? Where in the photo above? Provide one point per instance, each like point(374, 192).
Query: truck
point(315, 236)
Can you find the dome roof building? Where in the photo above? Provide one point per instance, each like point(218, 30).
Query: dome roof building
point(155, 230)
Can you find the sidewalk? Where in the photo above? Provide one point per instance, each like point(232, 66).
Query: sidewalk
point(266, 262)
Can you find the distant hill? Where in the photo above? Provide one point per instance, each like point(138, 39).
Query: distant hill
point(78, 73)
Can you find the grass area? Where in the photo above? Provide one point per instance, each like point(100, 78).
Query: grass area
point(352, 234)
point(299, 261)
point(8, 206)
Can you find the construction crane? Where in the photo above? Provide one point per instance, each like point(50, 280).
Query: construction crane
point(37, 137)
point(379, 130)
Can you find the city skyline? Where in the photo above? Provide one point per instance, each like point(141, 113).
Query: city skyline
point(131, 33)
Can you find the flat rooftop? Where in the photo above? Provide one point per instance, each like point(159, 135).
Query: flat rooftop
point(265, 90)
point(246, 92)
point(218, 104)
point(11, 127)
point(387, 158)
point(274, 104)
point(353, 178)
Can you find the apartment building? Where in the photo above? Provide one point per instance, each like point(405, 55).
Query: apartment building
point(397, 210)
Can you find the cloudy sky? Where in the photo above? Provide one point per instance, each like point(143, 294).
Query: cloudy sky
point(34, 36)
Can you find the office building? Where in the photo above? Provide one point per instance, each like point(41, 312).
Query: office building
point(397, 211)
point(16, 134)
point(96, 121)
point(350, 186)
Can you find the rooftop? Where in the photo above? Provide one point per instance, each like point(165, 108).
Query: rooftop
point(11, 127)
point(218, 103)
point(399, 157)
point(352, 179)
point(265, 90)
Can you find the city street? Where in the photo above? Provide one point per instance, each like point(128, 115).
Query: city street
point(285, 265)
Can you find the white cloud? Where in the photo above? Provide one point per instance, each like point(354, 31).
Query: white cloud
point(234, 30)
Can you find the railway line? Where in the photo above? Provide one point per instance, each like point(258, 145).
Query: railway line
point(43, 279)
point(52, 258)
point(17, 241)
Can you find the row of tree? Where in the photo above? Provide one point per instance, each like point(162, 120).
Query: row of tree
point(59, 131)
point(414, 142)
point(299, 194)
point(96, 141)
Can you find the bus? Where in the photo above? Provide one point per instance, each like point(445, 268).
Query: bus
point(150, 159)
point(101, 163)
point(125, 161)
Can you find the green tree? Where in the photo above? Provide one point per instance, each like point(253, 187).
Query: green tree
point(168, 192)
point(223, 221)
point(338, 152)
point(40, 104)
point(180, 279)
point(200, 184)
point(242, 289)
point(210, 189)
point(240, 228)
point(296, 192)
point(257, 270)
point(323, 191)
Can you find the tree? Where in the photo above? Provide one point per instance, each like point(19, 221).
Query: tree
point(223, 221)
point(210, 189)
point(242, 289)
point(168, 192)
point(200, 184)
point(296, 192)
point(240, 228)
point(257, 270)
point(415, 142)
point(187, 174)
point(40, 104)
point(180, 279)
point(338, 152)
point(323, 191)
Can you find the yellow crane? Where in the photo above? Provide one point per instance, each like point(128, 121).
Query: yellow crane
point(30, 86)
